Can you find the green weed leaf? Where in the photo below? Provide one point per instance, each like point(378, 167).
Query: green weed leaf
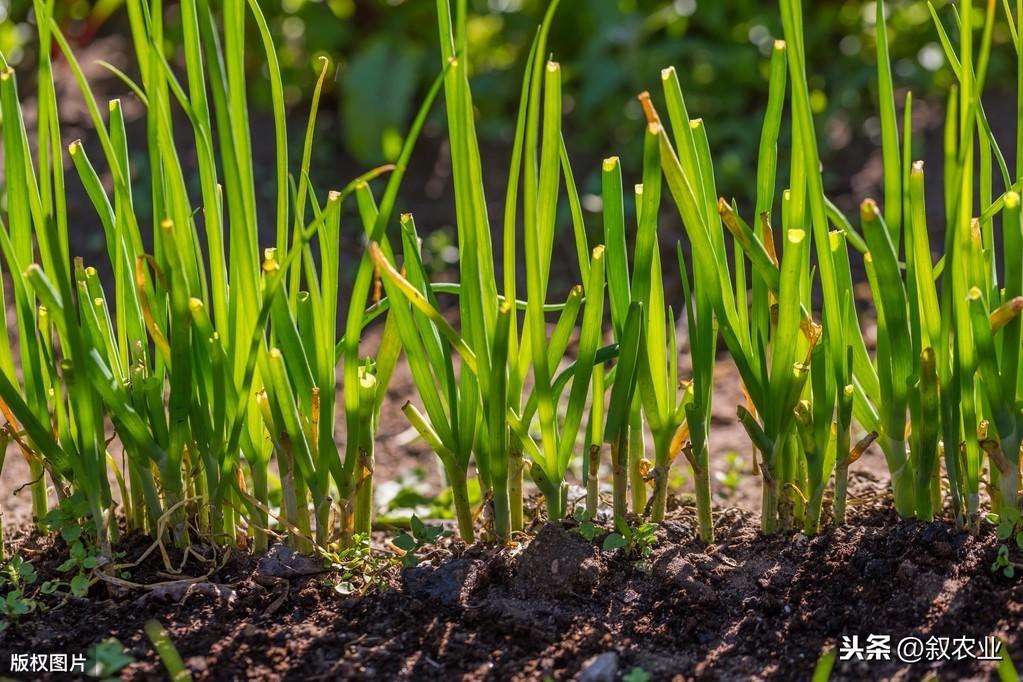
point(614, 541)
point(106, 659)
point(80, 585)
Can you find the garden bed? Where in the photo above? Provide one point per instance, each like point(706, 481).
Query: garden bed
point(557, 605)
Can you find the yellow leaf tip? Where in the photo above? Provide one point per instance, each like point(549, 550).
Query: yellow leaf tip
point(648, 108)
point(868, 209)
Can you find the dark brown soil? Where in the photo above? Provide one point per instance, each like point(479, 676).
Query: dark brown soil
point(745, 608)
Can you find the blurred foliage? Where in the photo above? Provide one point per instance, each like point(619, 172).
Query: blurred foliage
point(610, 50)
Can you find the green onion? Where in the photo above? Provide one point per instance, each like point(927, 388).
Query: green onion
point(207, 367)
point(211, 363)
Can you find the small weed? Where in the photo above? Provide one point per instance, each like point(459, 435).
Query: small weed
point(1010, 534)
point(637, 674)
point(67, 520)
point(586, 527)
point(420, 536)
point(15, 576)
point(359, 569)
point(105, 659)
point(17, 571)
point(1004, 563)
point(1009, 526)
point(637, 542)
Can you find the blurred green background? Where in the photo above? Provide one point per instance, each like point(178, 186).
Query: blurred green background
point(385, 52)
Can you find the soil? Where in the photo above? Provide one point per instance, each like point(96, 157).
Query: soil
point(555, 605)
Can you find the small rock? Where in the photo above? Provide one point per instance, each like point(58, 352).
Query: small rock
point(446, 583)
point(600, 668)
point(284, 562)
point(630, 595)
point(197, 664)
